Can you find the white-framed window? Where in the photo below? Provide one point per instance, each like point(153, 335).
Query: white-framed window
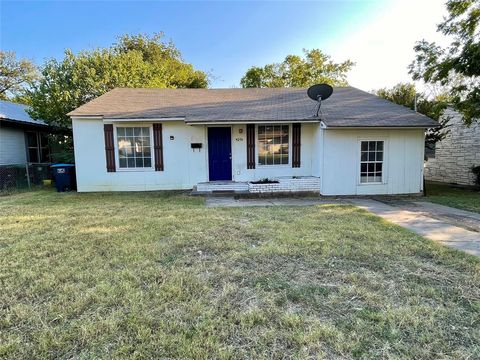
point(371, 161)
point(273, 144)
point(134, 147)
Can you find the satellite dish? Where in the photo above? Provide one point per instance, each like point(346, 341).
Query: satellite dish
point(319, 92)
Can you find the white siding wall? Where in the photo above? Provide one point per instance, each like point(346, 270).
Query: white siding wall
point(317, 148)
point(332, 155)
point(183, 166)
point(12, 146)
point(239, 157)
point(403, 164)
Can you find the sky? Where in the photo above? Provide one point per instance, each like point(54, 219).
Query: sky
point(226, 38)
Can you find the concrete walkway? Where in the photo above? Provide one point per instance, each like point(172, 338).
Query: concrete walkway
point(429, 227)
point(452, 227)
point(461, 218)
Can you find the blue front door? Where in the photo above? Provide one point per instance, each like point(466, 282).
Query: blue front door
point(220, 153)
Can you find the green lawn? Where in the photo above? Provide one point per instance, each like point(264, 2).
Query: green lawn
point(155, 275)
point(454, 196)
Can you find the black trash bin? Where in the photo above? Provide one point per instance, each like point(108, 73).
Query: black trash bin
point(64, 175)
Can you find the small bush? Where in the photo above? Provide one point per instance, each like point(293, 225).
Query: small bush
point(265, 181)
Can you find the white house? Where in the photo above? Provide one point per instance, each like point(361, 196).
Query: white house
point(22, 139)
point(225, 139)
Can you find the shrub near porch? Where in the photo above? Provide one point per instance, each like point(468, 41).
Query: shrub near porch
point(157, 275)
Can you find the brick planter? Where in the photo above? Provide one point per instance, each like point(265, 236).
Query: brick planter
point(287, 184)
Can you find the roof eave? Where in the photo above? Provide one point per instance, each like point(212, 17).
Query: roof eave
point(26, 123)
point(380, 127)
point(249, 121)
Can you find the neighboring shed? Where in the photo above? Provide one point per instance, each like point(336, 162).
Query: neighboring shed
point(454, 156)
point(22, 139)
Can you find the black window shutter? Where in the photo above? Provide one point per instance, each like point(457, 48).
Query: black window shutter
point(109, 147)
point(158, 146)
point(250, 146)
point(296, 144)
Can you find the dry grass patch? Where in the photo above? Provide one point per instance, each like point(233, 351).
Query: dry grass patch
point(160, 275)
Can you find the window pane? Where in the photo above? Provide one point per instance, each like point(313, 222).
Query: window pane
point(146, 151)
point(43, 140)
point(139, 162)
point(379, 156)
point(137, 131)
point(276, 159)
point(371, 146)
point(379, 145)
point(364, 156)
point(364, 145)
point(147, 162)
point(45, 155)
point(269, 158)
point(33, 155)
point(32, 139)
point(129, 131)
point(146, 141)
point(371, 156)
point(130, 162)
point(123, 162)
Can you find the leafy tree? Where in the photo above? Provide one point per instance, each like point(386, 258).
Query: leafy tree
point(457, 66)
point(134, 61)
point(296, 71)
point(14, 74)
point(406, 95)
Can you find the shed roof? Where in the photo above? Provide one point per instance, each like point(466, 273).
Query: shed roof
point(347, 107)
point(11, 111)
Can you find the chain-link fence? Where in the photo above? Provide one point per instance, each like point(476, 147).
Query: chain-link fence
point(23, 176)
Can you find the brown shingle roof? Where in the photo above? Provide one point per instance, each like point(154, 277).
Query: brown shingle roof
point(347, 107)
